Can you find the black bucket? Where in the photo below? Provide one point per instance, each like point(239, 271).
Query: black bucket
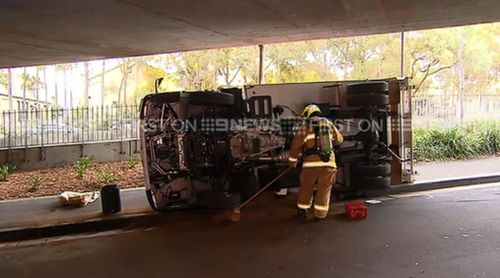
point(110, 199)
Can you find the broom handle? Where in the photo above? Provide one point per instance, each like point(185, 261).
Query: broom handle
point(263, 188)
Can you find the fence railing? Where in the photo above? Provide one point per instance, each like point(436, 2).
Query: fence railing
point(55, 126)
point(448, 110)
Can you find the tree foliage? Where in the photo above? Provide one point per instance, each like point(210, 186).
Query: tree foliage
point(4, 78)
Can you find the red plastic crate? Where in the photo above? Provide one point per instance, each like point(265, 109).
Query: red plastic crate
point(356, 210)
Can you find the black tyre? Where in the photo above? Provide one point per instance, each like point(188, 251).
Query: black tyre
point(365, 182)
point(378, 87)
point(164, 97)
point(206, 98)
point(151, 202)
point(367, 100)
point(158, 98)
point(381, 158)
point(218, 199)
point(370, 170)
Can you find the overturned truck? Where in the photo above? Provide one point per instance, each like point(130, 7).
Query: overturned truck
point(215, 148)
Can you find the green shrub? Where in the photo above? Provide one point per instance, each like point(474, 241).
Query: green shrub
point(80, 169)
point(457, 142)
point(6, 171)
point(82, 165)
point(132, 161)
point(86, 160)
point(35, 183)
point(106, 176)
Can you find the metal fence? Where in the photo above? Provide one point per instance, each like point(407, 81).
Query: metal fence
point(53, 126)
point(446, 110)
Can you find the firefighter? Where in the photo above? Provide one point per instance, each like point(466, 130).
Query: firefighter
point(314, 141)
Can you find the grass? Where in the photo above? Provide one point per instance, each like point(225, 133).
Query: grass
point(133, 161)
point(6, 171)
point(82, 165)
point(106, 176)
point(459, 142)
point(35, 183)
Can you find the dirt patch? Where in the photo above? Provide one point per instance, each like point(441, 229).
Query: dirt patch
point(54, 181)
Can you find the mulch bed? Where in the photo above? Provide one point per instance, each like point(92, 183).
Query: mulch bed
point(54, 181)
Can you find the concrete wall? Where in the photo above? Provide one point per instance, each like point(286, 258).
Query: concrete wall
point(53, 156)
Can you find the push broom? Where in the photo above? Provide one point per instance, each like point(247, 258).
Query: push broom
point(235, 214)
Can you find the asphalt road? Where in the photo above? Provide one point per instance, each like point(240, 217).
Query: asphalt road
point(447, 233)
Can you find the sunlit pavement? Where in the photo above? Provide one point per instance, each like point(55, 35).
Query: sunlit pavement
point(445, 233)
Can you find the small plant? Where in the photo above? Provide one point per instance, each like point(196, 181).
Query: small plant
point(132, 161)
point(80, 169)
point(35, 183)
point(4, 174)
point(106, 176)
point(86, 160)
point(82, 165)
point(6, 171)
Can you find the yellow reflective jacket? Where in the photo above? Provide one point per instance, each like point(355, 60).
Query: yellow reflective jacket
point(305, 139)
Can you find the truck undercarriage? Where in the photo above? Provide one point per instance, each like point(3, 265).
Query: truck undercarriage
point(214, 149)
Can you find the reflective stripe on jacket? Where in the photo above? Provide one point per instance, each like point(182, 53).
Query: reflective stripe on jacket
point(305, 138)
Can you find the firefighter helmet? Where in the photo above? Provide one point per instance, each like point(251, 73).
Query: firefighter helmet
point(309, 110)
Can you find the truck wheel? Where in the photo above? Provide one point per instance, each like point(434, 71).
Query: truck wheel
point(151, 202)
point(205, 98)
point(376, 182)
point(158, 98)
point(377, 87)
point(367, 100)
point(365, 169)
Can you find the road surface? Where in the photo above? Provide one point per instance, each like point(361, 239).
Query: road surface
point(445, 233)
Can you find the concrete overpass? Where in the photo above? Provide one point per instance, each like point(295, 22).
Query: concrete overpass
point(40, 32)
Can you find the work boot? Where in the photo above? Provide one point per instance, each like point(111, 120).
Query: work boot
point(302, 214)
point(317, 219)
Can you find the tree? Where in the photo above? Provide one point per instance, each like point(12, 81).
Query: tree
point(322, 60)
point(9, 90)
point(342, 49)
point(4, 78)
point(103, 73)
point(64, 68)
point(24, 77)
point(429, 52)
point(193, 70)
point(37, 88)
point(86, 76)
point(125, 69)
point(250, 65)
point(234, 63)
point(460, 68)
point(44, 70)
point(149, 74)
point(29, 85)
point(481, 57)
point(286, 62)
point(56, 91)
